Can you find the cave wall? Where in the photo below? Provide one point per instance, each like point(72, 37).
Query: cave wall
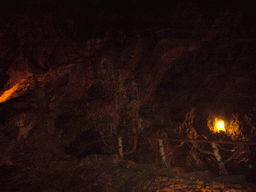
point(129, 82)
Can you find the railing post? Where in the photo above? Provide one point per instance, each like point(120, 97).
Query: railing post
point(161, 149)
point(221, 165)
point(120, 147)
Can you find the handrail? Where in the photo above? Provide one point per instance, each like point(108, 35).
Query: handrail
point(160, 149)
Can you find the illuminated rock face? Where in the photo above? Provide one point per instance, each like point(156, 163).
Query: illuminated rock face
point(8, 94)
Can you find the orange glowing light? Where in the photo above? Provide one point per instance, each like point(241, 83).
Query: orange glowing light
point(219, 126)
point(8, 93)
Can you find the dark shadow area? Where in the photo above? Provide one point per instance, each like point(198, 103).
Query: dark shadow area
point(85, 144)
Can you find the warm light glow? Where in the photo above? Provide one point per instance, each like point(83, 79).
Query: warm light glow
point(219, 125)
point(8, 93)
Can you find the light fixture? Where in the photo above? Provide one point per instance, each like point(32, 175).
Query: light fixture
point(219, 125)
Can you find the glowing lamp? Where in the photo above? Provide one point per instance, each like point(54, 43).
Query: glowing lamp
point(219, 126)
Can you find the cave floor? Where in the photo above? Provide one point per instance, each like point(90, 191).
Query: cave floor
point(110, 174)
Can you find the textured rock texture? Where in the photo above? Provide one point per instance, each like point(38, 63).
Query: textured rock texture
point(67, 82)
